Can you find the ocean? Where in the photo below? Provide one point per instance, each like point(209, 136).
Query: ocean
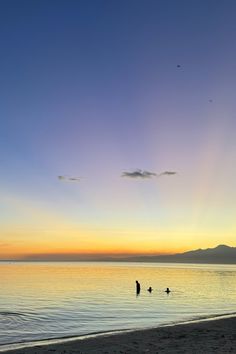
point(46, 300)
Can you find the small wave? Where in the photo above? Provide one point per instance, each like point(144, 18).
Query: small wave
point(64, 339)
point(9, 313)
point(203, 318)
point(10, 319)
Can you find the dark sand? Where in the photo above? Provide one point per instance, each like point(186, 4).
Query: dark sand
point(215, 336)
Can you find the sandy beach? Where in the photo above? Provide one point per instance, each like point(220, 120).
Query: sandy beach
point(213, 336)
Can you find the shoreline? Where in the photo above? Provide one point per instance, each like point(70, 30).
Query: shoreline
point(216, 334)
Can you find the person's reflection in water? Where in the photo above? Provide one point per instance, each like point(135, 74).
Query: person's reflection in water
point(138, 288)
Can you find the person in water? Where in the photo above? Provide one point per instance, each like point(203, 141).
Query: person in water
point(138, 287)
point(167, 290)
point(149, 289)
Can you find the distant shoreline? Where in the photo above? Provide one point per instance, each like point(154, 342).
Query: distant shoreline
point(221, 254)
point(118, 261)
point(190, 336)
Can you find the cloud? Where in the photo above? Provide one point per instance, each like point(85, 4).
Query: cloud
point(146, 174)
point(68, 178)
point(167, 173)
point(139, 174)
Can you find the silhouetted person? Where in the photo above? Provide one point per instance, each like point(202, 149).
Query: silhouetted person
point(138, 288)
point(167, 290)
point(149, 289)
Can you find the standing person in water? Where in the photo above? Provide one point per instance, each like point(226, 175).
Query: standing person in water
point(138, 288)
point(167, 290)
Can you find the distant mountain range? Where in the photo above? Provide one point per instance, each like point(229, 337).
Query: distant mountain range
point(220, 254)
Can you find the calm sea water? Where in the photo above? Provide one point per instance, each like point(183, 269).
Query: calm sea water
point(54, 300)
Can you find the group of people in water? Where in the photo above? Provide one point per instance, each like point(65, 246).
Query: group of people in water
point(150, 289)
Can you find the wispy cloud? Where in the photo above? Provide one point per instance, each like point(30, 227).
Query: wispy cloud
point(138, 174)
point(146, 174)
point(68, 178)
point(167, 173)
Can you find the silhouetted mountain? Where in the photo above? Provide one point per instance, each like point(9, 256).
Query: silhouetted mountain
point(221, 254)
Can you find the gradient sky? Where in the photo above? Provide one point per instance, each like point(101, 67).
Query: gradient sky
point(94, 88)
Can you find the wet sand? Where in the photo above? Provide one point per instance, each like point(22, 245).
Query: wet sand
point(208, 337)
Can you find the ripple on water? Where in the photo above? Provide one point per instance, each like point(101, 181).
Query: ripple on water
point(12, 318)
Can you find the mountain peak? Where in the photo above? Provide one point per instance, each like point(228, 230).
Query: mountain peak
point(221, 254)
point(222, 247)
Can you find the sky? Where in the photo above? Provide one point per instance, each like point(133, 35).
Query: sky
point(102, 90)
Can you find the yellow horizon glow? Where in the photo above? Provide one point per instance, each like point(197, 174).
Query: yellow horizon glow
point(102, 242)
point(40, 229)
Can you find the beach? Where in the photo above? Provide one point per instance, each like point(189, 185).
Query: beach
point(210, 336)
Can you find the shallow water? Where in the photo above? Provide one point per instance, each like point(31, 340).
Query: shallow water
point(54, 300)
